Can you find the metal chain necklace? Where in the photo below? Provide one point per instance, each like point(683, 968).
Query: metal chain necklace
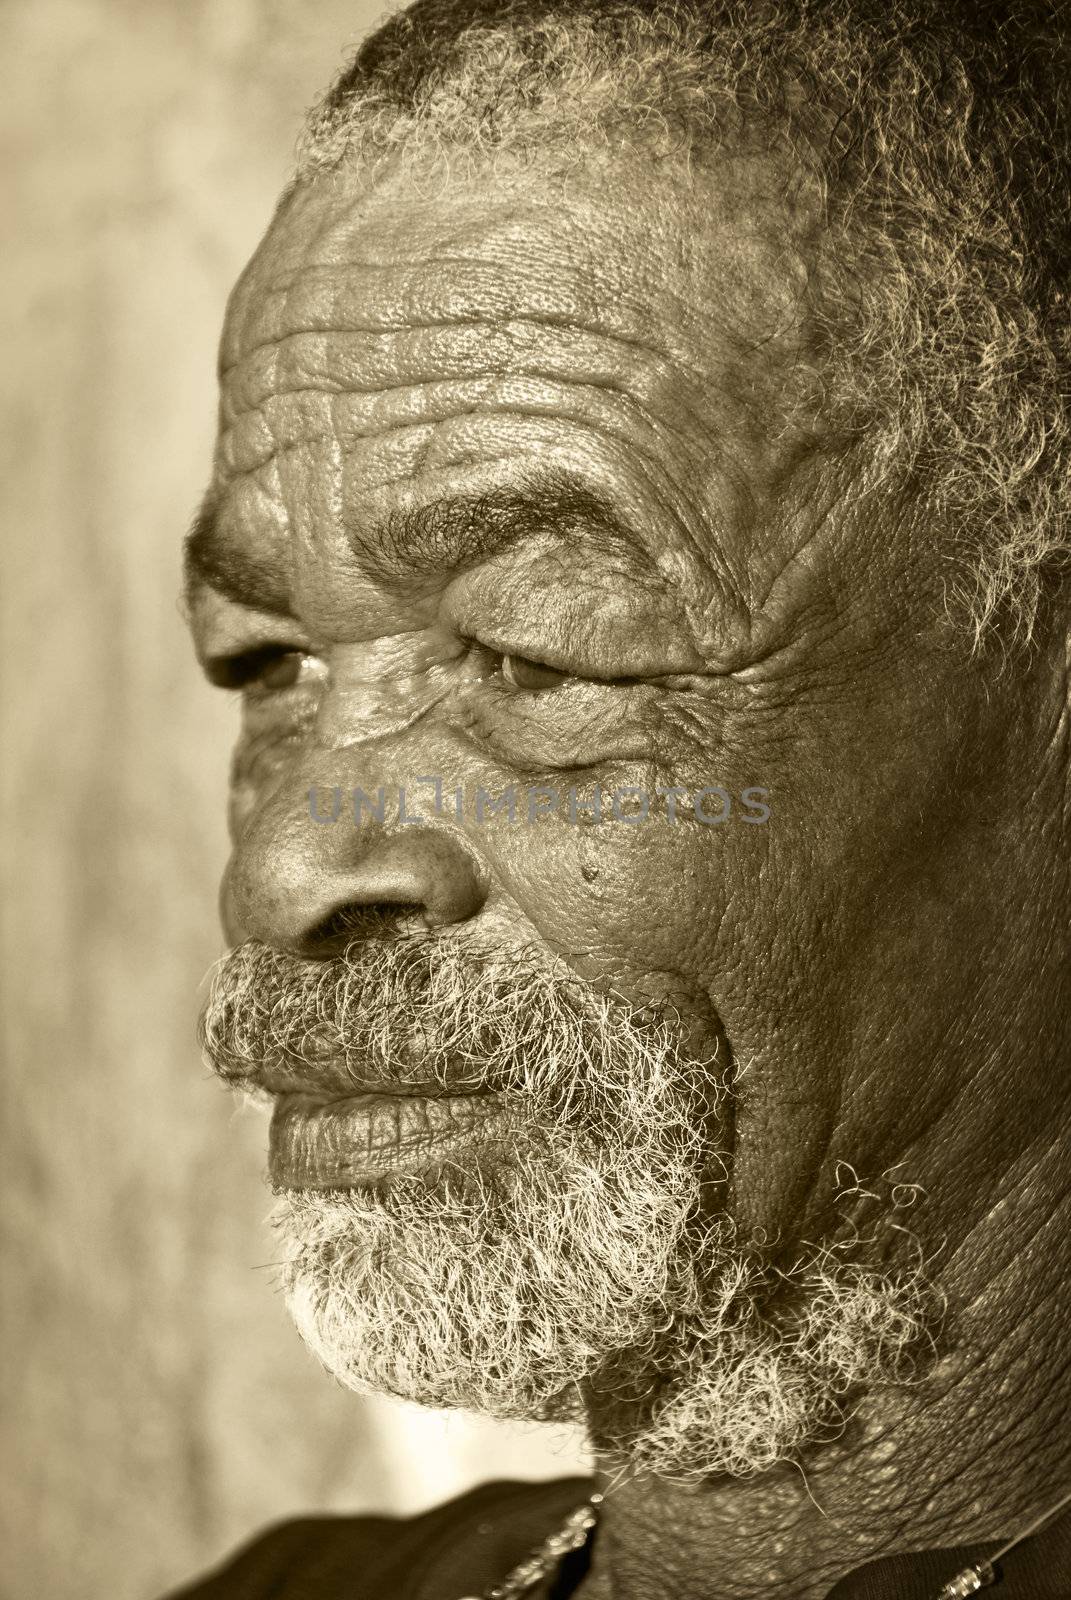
point(984, 1573)
point(577, 1526)
point(542, 1562)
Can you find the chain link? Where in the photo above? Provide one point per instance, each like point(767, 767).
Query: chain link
point(572, 1534)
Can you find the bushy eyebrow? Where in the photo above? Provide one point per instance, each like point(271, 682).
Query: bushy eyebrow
point(460, 531)
point(411, 544)
point(224, 566)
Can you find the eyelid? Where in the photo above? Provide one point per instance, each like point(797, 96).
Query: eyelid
point(500, 657)
point(563, 675)
point(240, 669)
point(512, 663)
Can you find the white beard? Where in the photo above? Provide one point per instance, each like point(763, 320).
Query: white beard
point(574, 1272)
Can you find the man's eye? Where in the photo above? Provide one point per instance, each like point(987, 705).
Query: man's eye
point(524, 673)
point(265, 671)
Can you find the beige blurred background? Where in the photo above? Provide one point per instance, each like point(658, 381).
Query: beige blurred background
point(157, 1408)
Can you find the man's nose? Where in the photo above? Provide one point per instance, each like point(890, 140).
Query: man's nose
point(291, 879)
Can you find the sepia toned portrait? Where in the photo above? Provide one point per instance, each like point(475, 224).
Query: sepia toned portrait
point(539, 810)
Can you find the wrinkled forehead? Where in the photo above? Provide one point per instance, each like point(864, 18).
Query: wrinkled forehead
point(698, 274)
point(395, 341)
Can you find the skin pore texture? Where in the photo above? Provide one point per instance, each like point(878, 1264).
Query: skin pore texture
point(564, 419)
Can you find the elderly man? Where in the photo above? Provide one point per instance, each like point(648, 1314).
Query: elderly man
point(638, 538)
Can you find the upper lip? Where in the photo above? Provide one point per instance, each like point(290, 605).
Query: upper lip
point(332, 1078)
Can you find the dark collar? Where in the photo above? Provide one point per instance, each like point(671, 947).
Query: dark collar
point(467, 1546)
point(1038, 1569)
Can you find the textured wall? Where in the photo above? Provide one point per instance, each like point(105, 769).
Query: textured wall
point(156, 1405)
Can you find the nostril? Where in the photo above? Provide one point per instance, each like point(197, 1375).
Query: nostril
point(309, 890)
point(353, 921)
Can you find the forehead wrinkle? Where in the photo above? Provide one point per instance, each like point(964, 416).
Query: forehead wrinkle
point(347, 361)
point(417, 374)
point(353, 298)
point(422, 416)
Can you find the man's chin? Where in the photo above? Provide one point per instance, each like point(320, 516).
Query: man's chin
point(503, 1289)
point(592, 1309)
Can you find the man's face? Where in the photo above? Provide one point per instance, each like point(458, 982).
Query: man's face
point(522, 484)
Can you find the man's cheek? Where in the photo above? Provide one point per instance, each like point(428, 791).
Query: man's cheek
point(630, 889)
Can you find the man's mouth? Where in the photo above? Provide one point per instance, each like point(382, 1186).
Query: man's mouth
point(339, 1125)
point(359, 1138)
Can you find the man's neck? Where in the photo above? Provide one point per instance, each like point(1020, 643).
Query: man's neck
point(969, 1454)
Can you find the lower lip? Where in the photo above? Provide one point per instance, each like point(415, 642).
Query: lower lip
point(345, 1143)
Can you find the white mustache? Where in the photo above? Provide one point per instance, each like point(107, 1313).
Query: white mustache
point(420, 1014)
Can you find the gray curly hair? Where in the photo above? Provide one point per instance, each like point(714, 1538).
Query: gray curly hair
point(932, 140)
